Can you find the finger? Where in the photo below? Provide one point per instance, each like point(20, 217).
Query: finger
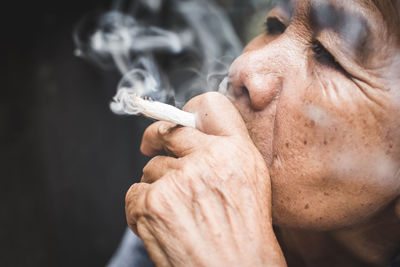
point(134, 209)
point(216, 115)
point(176, 140)
point(153, 247)
point(135, 204)
point(157, 167)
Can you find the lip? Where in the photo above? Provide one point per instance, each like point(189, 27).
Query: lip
point(260, 124)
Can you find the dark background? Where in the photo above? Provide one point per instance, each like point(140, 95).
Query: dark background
point(66, 160)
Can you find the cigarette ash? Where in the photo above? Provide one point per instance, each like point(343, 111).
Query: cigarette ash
point(126, 102)
point(136, 84)
point(131, 99)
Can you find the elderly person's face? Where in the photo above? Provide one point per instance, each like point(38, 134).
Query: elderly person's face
point(320, 96)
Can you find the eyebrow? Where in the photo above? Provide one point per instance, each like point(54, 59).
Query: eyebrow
point(352, 27)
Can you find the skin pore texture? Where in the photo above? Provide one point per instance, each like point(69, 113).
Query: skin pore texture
point(310, 146)
point(333, 117)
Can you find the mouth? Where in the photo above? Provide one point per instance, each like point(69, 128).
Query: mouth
point(260, 123)
point(262, 128)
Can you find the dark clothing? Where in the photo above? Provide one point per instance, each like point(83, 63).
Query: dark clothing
point(132, 253)
point(395, 262)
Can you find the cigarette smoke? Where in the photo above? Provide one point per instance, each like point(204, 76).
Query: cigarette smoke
point(168, 60)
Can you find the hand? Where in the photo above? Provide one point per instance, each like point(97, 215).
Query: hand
point(208, 204)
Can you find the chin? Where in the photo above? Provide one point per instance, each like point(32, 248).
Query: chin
point(304, 223)
point(294, 215)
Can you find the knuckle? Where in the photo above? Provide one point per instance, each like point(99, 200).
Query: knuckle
point(153, 202)
point(191, 176)
point(130, 218)
point(133, 195)
point(130, 193)
point(184, 167)
point(147, 134)
point(147, 169)
point(129, 210)
point(165, 128)
point(155, 161)
point(152, 165)
point(134, 209)
point(185, 131)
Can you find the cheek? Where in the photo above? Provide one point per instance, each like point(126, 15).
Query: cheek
point(330, 165)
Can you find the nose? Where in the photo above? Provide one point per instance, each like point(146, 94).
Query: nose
point(258, 72)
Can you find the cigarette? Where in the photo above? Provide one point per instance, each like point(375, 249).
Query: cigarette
point(126, 102)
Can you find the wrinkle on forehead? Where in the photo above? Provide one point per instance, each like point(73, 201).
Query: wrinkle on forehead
point(350, 26)
point(361, 28)
point(381, 15)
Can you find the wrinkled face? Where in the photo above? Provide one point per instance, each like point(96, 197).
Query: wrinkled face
point(320, 96)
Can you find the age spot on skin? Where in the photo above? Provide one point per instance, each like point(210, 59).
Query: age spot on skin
point(306, 207)
point(311, 124)
point(389, 149)
point(305, 142)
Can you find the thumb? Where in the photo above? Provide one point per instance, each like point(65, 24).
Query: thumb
point(216, 115)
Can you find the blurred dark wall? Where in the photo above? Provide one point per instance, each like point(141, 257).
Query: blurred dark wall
point(66, 160)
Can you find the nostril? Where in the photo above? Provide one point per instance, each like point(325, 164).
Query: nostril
point(245, 91)
point(238, 91)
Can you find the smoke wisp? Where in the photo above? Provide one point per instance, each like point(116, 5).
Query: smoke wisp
point(171, 60)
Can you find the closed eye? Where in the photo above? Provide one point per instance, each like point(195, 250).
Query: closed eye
point(274, 26)
point(323, 56)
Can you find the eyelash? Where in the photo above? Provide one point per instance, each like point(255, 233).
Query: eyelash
point(323, 55)
point(274, 26)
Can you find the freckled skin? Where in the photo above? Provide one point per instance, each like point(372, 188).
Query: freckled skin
point(336, 162)
point(314, 151)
